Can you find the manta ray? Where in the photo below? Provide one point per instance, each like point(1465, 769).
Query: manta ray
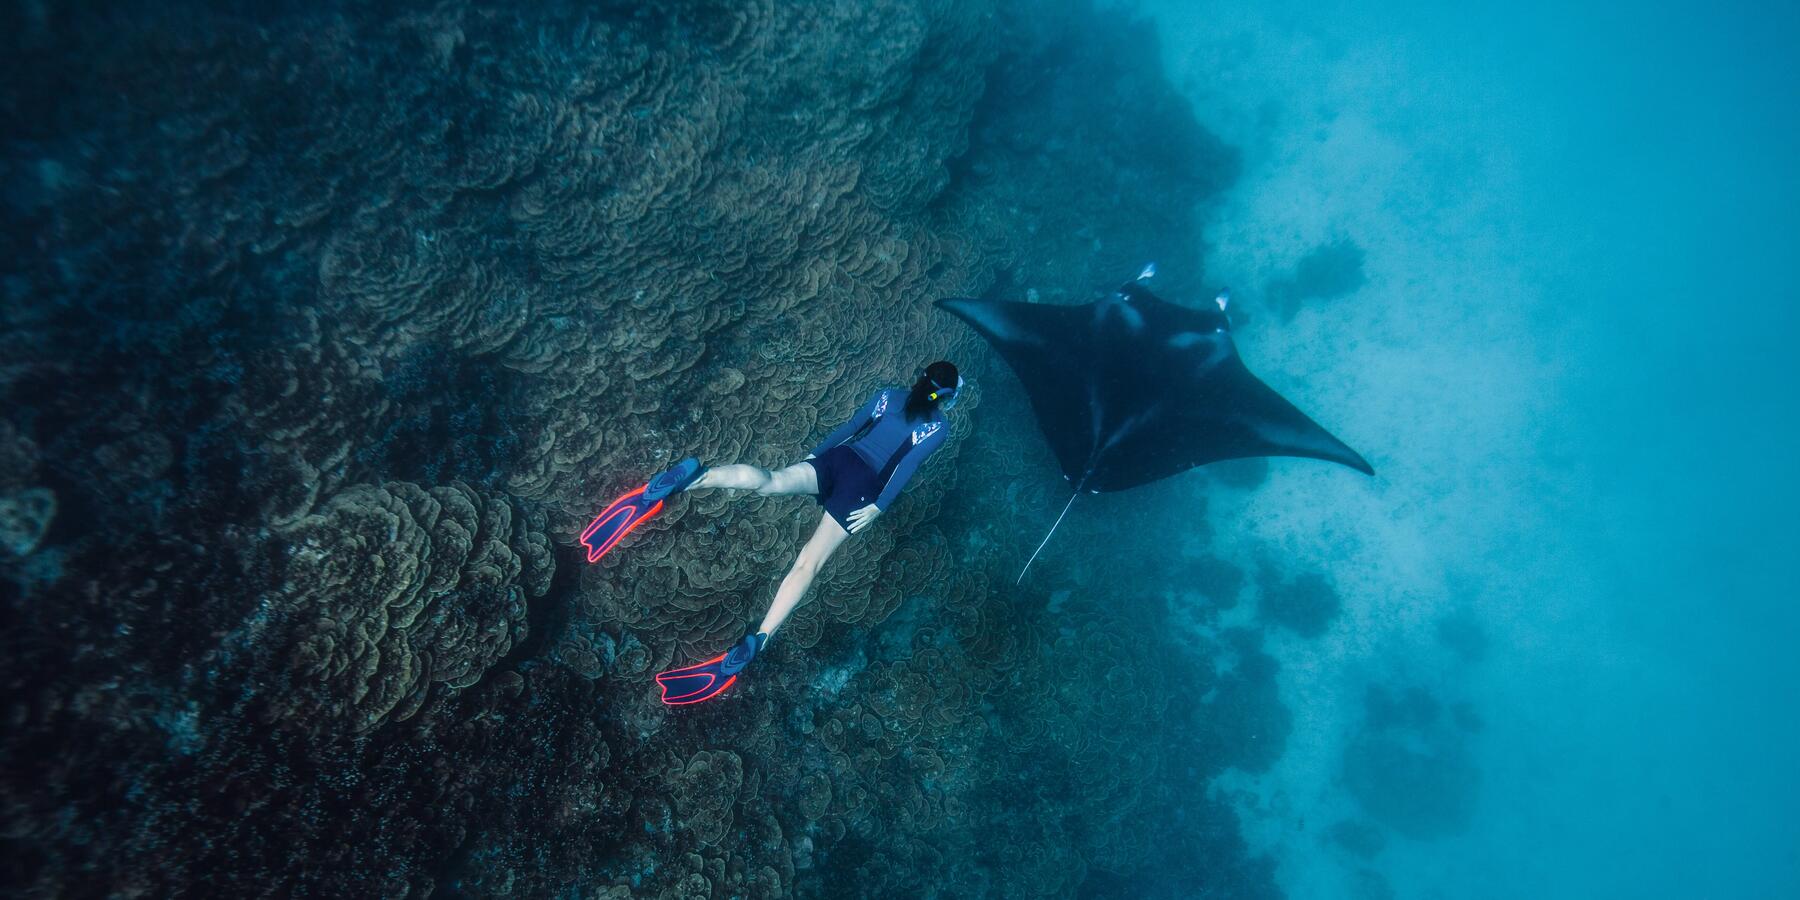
point(1132, 389)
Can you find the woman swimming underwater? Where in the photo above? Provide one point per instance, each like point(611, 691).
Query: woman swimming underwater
point(855, 473)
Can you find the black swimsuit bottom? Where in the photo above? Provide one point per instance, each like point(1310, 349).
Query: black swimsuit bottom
point(846, 483)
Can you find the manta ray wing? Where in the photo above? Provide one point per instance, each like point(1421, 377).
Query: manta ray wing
point(1229, 414)
point(1132, 389)
point(1032, 338)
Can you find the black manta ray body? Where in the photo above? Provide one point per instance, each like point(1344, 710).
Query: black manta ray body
point(1131, 389)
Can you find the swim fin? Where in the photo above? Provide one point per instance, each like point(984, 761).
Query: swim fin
point(630, 511)
point(704, 681)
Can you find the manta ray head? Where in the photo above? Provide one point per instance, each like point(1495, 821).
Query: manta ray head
point(1115, 315)
point(1207, 324)
point(1124, 312)
point(1132, 388)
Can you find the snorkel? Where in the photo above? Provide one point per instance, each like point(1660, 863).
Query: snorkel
point(944, 397)
point(935, 387)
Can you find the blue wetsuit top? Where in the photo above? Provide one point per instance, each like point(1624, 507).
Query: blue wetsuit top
point(878, 445)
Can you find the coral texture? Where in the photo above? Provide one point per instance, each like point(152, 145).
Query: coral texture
point(397, 588)
point(326, 330)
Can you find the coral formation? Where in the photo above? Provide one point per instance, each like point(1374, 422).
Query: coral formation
point(397, 588)
point(24, 517)
point(1304, 604)
point(327, 329)
point(1411, 767)
point(1328, 271)
point(1359, 838)
point(1460, 632)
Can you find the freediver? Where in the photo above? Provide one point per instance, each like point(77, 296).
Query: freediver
point(855, 473)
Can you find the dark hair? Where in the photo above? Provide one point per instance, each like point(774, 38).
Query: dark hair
point(938, 376)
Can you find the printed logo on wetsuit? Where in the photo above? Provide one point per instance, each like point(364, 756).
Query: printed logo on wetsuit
point(880, 405)
point(920, 434)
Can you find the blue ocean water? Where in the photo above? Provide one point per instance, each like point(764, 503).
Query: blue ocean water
point(1575, 340)
point(326, 328)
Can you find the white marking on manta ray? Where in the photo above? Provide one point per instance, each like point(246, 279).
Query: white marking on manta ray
point(1105, 306)
point(1133, 319)
point(1130, 425)
point(990, 319)
point(1215, 350)
point(1216, 354)
point(1094, 413)
point(1119, 305)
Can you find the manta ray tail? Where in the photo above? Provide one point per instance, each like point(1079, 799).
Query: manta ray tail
point(1046, 540)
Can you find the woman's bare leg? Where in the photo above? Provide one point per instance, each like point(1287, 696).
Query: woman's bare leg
point(798, 478)
point(824, 541)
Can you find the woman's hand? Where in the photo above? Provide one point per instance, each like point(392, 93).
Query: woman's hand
point(861, 518)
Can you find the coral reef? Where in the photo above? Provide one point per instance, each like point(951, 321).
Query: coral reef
point(1328, 271)
point(1305, 604)
point(24, 517)
point(398, 588)
point(1460, 632)
point(1411, 767)
point(1358, 838)
point(326, 329)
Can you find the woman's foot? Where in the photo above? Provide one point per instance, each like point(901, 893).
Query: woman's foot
point(704, 681)
point(675, 480)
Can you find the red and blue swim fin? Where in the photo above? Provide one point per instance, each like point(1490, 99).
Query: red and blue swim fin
point(704, 681)
point(638, 504)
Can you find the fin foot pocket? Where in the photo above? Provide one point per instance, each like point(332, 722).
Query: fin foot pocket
point(638, 504)
point(704, 681)
point(675, 480)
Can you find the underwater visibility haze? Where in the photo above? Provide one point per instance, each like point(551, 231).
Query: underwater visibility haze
point(329, 332)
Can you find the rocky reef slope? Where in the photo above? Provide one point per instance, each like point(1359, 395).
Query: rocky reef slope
point(324, 331)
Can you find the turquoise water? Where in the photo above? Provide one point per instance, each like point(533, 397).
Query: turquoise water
point(1574, 339)
point(325, 329)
